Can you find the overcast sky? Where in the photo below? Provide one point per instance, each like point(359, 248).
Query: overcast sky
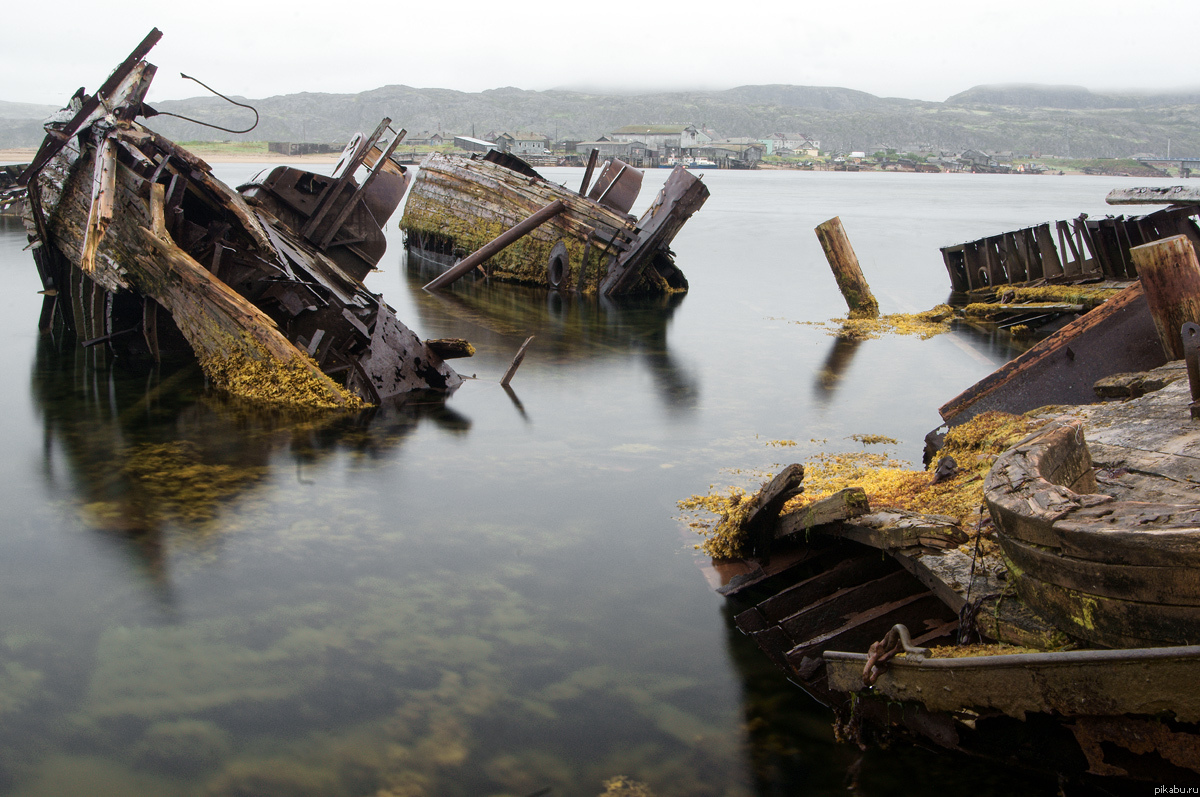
point(916, 49)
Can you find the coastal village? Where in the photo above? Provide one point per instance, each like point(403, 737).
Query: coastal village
point(1038, 572)
point(700, 147)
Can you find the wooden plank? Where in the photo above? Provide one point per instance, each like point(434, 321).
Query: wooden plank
point(681, 196)
point(92, 109)
point(587, 173)
point(1109, 622)
point(1172, 584)
point(859, 632)
point(851, 570)
point(1052, 267)
point(896, 530)
point(821, 617)
point(768, 501)
point(775, 643)
point(844, 504)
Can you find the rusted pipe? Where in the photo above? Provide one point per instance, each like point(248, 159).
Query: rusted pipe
point(496, 245)
point(587, 175)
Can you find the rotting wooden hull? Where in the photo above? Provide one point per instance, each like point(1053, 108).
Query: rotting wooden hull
point(457, 205)
point(126, 224)
point(1119, 570)
point(821, 600)
point(830, 586)
point(1126, 713)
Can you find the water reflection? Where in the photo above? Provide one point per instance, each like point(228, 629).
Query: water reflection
point(841, 354)
point(155, 459)
point(572, 330)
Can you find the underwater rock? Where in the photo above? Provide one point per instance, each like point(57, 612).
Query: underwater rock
point(182, 747)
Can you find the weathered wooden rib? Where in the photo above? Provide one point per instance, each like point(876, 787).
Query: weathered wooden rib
point(1114, 573)
point(123, 221)
point(1087, 249)
point(457, 205)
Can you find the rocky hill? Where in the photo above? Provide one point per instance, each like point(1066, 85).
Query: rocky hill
point(1047, 120)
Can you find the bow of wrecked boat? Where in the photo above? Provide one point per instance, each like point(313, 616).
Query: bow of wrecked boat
point(140, 248)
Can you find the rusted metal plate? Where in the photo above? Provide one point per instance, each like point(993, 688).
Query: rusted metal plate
point(618, 186)
point(1118, 336)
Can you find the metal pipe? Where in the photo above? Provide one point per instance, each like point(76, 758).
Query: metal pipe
point(496, 245)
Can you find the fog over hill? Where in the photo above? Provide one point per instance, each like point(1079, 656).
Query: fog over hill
point(1045, 120)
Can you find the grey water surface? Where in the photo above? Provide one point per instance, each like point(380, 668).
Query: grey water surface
point(489, 596)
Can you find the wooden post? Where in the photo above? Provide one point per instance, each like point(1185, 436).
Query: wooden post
point(849, 276)
point(1170, 276)
point(468, 263)
point(516, 362)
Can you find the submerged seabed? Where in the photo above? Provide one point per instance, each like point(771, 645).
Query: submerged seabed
point(490, 596)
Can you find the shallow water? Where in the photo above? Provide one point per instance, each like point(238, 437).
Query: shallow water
point(487, 597)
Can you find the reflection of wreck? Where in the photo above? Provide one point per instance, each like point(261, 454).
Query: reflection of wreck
point(1081, 579)
point(571, 329)
point(589, 243)
point(263, 287)
point(157, 466)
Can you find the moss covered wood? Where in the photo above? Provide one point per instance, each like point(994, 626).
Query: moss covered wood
point(471, 203)
point(239, 347)
point(468, 203)
point(846, 271)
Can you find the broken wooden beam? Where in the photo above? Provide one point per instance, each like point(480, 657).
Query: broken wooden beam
point(898, 530)
point(766, 505)
point(846, 271)
point(1170, 276)
point(842, 505)
point(516, 362)
point(468, 263)
point(91, 107)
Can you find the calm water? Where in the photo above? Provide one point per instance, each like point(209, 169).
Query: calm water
point(488, 597)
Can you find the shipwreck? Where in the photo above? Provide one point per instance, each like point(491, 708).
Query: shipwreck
point(1055, 626)
point(582, 241)
point(141, 249)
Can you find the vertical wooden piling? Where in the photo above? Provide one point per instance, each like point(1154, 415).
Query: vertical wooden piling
point(1170, 276)
point(844, 264)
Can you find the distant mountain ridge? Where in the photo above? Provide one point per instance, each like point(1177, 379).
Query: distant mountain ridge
point(1044, 120)
point(1027, 95)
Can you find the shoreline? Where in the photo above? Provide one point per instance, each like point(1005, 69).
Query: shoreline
point(25, 155)
point(22, 155)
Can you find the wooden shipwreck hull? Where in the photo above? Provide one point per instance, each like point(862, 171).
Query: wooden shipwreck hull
point(1087, 249)
point(1075, 570)
point(457, 205)
point(140, 248)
